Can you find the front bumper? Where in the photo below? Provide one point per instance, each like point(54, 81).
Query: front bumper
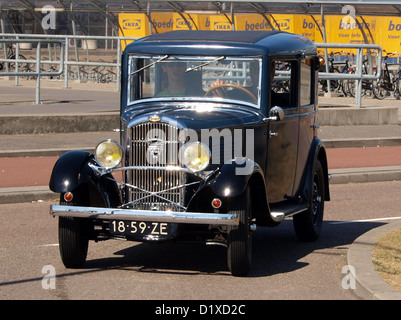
point(220, 219)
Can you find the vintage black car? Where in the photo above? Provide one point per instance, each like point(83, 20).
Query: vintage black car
point(218, 136)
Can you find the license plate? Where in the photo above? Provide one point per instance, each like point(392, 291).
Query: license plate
point(141, 228)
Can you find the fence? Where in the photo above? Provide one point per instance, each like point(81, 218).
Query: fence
point(12, 62)
point(64, 44)
point(374, 70)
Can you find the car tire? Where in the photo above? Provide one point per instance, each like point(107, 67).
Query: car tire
point(239, 248)
point(308, 223)
point(73, 240)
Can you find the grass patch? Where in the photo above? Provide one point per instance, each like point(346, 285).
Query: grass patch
point(386, 258)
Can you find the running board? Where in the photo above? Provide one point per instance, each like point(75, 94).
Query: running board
point(282, 210)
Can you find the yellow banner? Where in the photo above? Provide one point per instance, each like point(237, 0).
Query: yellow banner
point(162, 22)
point(251, 22)
point(384, 31)
point(299, 24)
point(305, 26)
point(389, 33)
point(220, 23)
point(343, 29)
point(213, 22)
point(283, 22)
point(132, 25)
point(189, 23)
point(204, 21)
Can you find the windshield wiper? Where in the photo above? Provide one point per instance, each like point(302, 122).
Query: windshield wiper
point(150, 64)
point(205, 64)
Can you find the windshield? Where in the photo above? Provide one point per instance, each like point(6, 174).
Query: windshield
point(210, 78)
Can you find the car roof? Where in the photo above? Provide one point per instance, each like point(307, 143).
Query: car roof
point(202, 42)
point(211, 36)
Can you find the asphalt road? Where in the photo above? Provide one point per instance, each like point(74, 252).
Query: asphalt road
point(283, 268)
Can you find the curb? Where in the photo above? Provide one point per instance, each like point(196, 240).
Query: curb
point(369, 283)
point(58, 123)
point(368, 174)
point(26, 194)
point(40, 152)
point(352, 115)
point(362, 143)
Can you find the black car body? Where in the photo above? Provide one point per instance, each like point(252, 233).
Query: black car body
point(218, 136)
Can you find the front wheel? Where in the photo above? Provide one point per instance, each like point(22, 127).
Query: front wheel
point(73, 240)
point(239, 249)
point(308, 223)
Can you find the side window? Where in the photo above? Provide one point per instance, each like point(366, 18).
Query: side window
point(282, 83)
point(306, 83)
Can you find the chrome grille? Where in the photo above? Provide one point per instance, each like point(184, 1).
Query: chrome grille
point(155, 145)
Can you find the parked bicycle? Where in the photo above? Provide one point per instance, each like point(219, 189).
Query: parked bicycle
point(389, 81)
point(102, 75)
point(10, 54)
point(334, 84)
point(349, 85)
point(346, 68)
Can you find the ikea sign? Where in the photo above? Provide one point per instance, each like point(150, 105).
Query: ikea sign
point(132, 24)
point(222, 26)
point(283, 24)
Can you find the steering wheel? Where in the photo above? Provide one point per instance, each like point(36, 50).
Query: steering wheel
point(221, 91)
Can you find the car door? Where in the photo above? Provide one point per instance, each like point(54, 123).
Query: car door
point(282, 138)
point(307, 116)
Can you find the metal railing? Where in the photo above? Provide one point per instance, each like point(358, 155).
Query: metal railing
point(64, 61)
point(374, 69)
point(17, 61)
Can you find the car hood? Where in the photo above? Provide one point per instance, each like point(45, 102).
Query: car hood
point(196, 116)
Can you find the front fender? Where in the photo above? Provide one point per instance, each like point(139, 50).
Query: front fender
point(230, 181)
point(71, 170)
point(232, 178)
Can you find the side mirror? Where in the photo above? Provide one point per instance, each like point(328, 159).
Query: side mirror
point(276, 114)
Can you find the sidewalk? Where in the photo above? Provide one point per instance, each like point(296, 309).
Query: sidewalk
point(355, 153)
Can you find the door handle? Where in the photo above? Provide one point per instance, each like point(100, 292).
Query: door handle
point(272, 134)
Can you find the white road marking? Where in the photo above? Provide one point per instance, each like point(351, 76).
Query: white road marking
point(365, 220)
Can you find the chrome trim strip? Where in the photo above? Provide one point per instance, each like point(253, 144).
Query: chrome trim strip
point(145, 215)
point(163, 119)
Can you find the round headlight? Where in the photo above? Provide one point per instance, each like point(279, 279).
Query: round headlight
point(195, 156)
point(109, 153)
